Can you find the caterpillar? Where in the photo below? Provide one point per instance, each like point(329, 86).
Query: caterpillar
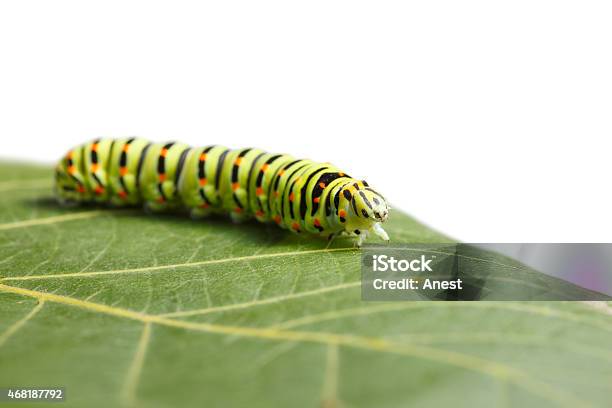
point(299, 195)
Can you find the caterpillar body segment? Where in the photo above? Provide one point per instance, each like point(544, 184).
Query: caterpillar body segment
point(299, 195)
point(122, 181)
point(199, 186)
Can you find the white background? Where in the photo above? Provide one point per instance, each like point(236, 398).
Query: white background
point(488, 121)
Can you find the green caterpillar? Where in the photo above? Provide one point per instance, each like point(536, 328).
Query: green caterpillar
point(299, 195)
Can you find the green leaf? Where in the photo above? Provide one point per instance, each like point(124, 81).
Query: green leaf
point(121, 308)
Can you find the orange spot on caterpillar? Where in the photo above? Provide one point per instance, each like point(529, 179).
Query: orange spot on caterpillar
point(161, 200)
point(259, 213)
point(202, 156)
point(163, 152)
point(94, 147)
point(341, 174)
point(277, 219)
point(317, 223)
point(204, 205)
point(280, 173)
point(317, 199)
point(322, 184)
point(203, 182)
point(265, 167)
point(342, 213)
point(71, 169)
point(80, 189)
point(291, 197)
point(259, 191)
point(235, 186)
point(295, 226)
point(162, 177)
point(276, 194)
point(122, 194)
point(94, 167)
point(99, 190)
point(126, 147)
point(123, 171)
point(238, 161)
point(238, 210)
point(69, 155)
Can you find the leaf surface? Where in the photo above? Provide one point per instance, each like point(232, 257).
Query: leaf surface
point(126, 309)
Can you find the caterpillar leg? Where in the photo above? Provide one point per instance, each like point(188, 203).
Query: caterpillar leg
point(378, 230)
point(362, 235)
point(330, 238)
point(199, 213)
point(67, 203)
point(151, 207)
point(238, 217)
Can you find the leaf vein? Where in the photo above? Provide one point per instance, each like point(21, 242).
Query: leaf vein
point(466, 361)
point(174, 266)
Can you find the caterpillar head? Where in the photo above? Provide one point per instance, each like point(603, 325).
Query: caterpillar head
point(362, 209)
point(372, 205)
